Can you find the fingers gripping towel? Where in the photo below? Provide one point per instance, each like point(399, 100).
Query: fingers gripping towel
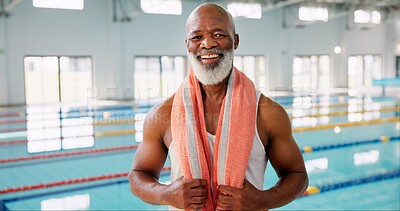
point(234, 136)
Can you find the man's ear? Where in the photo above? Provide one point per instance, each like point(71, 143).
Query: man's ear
point(186, 42)
point(236, 41)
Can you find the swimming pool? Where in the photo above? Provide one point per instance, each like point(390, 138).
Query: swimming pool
point(354, 165)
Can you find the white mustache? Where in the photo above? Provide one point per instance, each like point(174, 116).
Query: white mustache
point(210, 51)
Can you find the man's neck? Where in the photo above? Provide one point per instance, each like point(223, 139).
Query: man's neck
point(215, 93)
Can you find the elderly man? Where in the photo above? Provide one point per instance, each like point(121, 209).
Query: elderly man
point(218, 131)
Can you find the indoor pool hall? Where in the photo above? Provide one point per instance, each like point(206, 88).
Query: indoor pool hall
point(78, 79)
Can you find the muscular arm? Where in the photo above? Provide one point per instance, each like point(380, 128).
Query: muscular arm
point(275, 132)
point(284, 156)
point(149, 160)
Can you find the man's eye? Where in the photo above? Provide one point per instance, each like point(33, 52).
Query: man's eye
point(195, 38)
point(220, 35)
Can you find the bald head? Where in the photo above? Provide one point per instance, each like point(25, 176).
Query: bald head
point(206, 11)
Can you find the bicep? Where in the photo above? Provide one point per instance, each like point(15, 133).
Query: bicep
point(282, 150)
point(151, 153)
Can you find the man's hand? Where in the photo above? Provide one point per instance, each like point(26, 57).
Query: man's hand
point(187, 193)
point(246, 198)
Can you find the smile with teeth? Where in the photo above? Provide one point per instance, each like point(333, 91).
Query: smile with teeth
point(209, 56)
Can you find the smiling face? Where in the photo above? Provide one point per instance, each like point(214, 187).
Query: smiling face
point(210, 42)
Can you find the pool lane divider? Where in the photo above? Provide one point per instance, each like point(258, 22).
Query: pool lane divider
point(135, 107)
point(14, 121)
point(305, 149)
point(346, 124)
point(108, 121)
point(24, 141)
point(20, 114)
point(337, 105)
point(342, 113)
point(103, 121)
point(313, 190)
point(83, 109)
point(309, 149)
point(68, 182)
point(68, 154)
point(294, 130)
point(95, 123)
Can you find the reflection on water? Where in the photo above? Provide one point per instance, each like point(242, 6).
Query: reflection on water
point(316, 165)
point(47, 130)
point(363, 109)
point(75, 202)
point(80, 142)
point(139, 121)
point(366, 158)
point(44, 145)
point(305, 113)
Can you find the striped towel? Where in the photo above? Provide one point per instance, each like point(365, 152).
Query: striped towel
point(234, 136)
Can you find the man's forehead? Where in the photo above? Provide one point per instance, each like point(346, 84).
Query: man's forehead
point(208, 17)
point(209, 22)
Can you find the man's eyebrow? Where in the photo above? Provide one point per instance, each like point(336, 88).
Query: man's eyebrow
point(213, 30)
point(219, 30)
point(194, 32)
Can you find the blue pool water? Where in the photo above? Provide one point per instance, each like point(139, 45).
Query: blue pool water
point(359, 164)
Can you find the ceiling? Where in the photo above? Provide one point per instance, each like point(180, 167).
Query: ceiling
point(392, 4)
point(389, 6)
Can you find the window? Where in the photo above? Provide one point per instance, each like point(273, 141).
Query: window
point(311, 73)
point(75, 78)
point(246, 10)
point(362, 69)
point(367, 16)
point(52, 79)
point(59, 4)
point(313, 13)
point(158, 76)
point(41, 80)
point(170, 7)
point(253, 67)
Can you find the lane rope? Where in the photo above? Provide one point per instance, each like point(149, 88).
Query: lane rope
point(68, 182)
point(342, 113)
point(309, 149)
point(346, 124)
point(313, 190)
point(68, 154)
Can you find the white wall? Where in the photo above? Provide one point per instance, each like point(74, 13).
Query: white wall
point(3, 62)
point(36, 31)
point(113, 46)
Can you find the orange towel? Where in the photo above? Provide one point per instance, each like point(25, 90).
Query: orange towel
point(234, 136)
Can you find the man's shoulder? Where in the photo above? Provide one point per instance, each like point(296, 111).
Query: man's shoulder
point(269, 109)
point(161, 112)
point(266, 102)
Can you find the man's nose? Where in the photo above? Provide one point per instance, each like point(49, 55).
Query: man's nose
point(208, 42)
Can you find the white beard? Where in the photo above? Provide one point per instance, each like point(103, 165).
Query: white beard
point(215, 73)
